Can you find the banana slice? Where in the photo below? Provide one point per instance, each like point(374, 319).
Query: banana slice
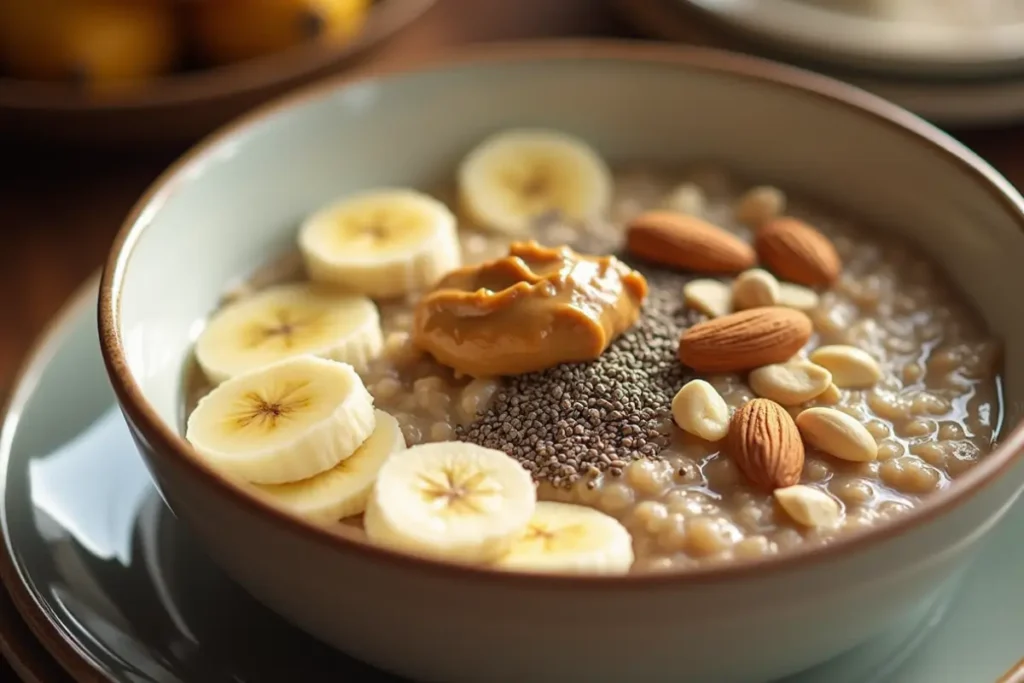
point(283, 422)
point(286, 321)
point(571, 539)
point(382, 243)
point(343, 490)
point(450, 500)
point(514, 176)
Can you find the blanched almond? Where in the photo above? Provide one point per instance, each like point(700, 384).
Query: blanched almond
point(837, 434)
point(753, 288)
point(764, 443)
point(758, 205)
point(711, 297)
point(700, 410)
point(851, 368)
point(790, 383)
point(830, 397)
point(808, 506)
point(797, 296)
point(686, 198)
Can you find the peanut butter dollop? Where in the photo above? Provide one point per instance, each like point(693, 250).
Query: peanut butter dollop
point(531, 310)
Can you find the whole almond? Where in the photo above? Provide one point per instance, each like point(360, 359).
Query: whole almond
point(797, 252)
point(745, 340)
point(764, 443)
point(838, 434)
point(686, 242)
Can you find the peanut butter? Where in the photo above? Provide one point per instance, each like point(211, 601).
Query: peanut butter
point(531, 310)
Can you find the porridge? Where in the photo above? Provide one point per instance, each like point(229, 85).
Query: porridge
point(585, 370)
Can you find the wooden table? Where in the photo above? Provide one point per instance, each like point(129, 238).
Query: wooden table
point(59, 210)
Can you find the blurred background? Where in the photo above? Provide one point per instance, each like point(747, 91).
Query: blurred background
point(97, 97)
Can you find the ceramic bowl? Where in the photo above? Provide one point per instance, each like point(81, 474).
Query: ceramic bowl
point(181, 107)
point(238, 197)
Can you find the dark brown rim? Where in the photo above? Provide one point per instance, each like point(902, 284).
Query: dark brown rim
point(23, 384)
point(385, 20)
point(164, 438)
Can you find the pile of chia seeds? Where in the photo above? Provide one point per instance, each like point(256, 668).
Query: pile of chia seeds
point(576, 418)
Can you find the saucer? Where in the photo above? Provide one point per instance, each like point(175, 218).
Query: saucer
point(116, 589)
point(951, 102)
point(930, 38)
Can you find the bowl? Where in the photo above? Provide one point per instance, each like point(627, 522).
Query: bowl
point(181, 107)
point(238, 197)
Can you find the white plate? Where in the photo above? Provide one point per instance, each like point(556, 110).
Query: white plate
point(923, 37)
point(112, 583)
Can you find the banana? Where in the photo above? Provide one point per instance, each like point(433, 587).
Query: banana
point(450, 500)
point(102, 43)
point(286, 321)
point(236, 30)
point(343, 490)
point(382, 243)
point(571, 539)
point(515, 176)
point(283, 422)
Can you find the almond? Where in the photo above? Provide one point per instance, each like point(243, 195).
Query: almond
point(797, 252)
point(745, 340)
point(680, 241)
point(764, 443)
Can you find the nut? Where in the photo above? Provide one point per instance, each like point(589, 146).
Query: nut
point(830, 397)
point(710, 297)
point(680, 241)
point(764, 443)
point(685, 198)
point(790, 383)
point(797, 252)
point(758, 205)
point(808, 506)
point(754, 288)
point(745, 340)
point(700, 410)
point(838, 434)
point(851, 368)
point(797, 296)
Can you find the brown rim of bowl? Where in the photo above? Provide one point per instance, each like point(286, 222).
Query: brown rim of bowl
point(23, 384)
point(386, 19)
point(163, 436)
point(1014, 675)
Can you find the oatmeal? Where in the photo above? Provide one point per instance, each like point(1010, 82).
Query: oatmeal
point(790, 377)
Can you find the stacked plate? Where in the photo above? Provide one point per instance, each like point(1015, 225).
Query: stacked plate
point(959, 63)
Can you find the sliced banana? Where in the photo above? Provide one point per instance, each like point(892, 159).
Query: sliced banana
point(451, 500)
point(286, 321)
point(283, 422)
point(382, 243)
point(516, 175)
point(343, 490)
point(571, 539)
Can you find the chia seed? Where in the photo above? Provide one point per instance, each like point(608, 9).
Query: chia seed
point(600, 415)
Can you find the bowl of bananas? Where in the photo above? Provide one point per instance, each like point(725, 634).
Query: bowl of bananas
point(168, 71)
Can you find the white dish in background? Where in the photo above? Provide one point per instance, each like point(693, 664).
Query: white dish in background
point(937, 38)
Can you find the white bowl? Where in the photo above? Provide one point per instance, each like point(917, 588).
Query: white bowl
point(238, 197)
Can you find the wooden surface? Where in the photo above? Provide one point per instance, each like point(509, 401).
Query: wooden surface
point(59, 209)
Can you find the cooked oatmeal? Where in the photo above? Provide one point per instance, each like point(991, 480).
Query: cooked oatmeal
point(602, 433)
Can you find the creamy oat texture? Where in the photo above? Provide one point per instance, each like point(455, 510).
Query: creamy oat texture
point(934, 414)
